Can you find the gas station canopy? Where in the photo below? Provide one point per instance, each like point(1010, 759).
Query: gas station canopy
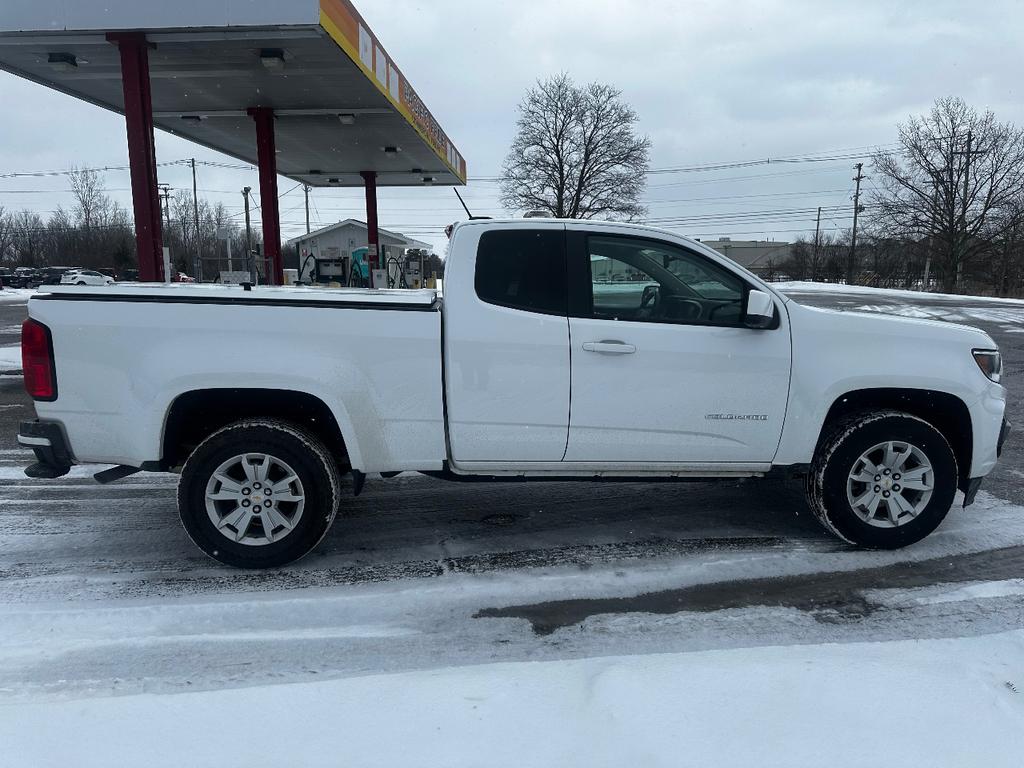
point(341, 104)
point(299, 87)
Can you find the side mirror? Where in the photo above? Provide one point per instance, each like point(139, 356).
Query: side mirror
point(760, 312)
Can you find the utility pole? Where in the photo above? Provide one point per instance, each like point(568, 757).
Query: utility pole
point(967, 153)
point(195, 210)
point(248, 231)
point(856, 210)
point(248, 226)
point(165, 195)
point(305, 188)
point(934, 213)
point(817, 239)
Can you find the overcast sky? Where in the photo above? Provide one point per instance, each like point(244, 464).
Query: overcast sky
point(711, 81)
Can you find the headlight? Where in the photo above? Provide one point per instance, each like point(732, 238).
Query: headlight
point(990, 362)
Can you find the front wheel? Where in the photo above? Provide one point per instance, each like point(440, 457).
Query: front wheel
point(882, 480)
point(258, 494)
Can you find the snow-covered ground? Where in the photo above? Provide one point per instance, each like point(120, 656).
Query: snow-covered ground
point(10, 358)
point(426, 630)
point(913, 703)
point(15, 295)
point(806, 286)
point(1011, 319)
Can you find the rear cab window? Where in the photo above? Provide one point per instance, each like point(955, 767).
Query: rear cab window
point(523, 269)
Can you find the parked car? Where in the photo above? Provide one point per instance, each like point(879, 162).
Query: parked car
point(7, 277)
point(52, 275)
point(263, 398)
point(85, 277)
point(26, 277)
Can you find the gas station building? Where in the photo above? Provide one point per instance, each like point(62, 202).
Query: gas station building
point(301, 88)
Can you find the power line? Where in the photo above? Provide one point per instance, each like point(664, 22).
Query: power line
point(71, 171)
point(824, 156)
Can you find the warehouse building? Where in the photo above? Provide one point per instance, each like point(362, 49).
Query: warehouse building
point(756, 255)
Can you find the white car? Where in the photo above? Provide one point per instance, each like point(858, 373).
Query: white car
point(561, 350)
point(85, 277)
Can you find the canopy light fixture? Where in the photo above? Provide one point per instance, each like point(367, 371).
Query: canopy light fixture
point(347, 118)
point(272, 59)
point(333, 180)
point(62, 62)
point(314, 171)
point(428, 180)
point(390, 150)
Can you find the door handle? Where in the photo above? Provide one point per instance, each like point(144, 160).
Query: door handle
point(609, 347)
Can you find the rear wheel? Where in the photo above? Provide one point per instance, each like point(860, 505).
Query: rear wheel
point(882, 480)
point(258, 494)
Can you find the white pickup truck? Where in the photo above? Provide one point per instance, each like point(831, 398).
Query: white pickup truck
point(560, 350)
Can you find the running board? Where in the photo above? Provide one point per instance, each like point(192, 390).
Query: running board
point(649, 470)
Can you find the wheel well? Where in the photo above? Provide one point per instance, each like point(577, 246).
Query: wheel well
point(946, 412)
point(196, 415)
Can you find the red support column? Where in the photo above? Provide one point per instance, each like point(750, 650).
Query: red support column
point(372, 235)
point(138, 114)
point(267, 160)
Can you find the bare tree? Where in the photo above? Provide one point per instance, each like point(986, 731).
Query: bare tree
point(954, 180)
point(29, 238)
point(1006, 274)
point(575, 154)
point(7, 239)
point(91, 200)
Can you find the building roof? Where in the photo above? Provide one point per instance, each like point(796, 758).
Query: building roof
point(407, 242)
point(338, 96)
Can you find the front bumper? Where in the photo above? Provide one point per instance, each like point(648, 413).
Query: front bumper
point(47, 441)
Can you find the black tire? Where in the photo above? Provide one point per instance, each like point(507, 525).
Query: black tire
point(301, 451)
point(80, 282)
point(838, 452)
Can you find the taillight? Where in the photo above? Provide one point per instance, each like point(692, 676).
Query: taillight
point(37, 361)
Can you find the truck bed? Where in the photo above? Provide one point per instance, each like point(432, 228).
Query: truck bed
point(125, 353)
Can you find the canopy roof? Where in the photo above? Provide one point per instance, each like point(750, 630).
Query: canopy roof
point(342, 105)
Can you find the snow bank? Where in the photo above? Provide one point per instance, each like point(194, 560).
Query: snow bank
point(930, 702)
point(10, 358)
point(15, 295)
point(1008, 317)
point(804, 286)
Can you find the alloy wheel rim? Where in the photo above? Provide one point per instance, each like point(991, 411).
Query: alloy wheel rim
point(255, 499)
point(890, 484)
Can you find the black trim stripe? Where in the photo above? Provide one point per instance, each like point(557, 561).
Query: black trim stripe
point(435, 306)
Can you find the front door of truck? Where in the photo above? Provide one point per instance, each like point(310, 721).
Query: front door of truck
point(506, 342)
point(663, 369)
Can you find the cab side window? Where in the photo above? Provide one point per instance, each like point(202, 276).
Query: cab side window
point(523, 269)
point(650, 281)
